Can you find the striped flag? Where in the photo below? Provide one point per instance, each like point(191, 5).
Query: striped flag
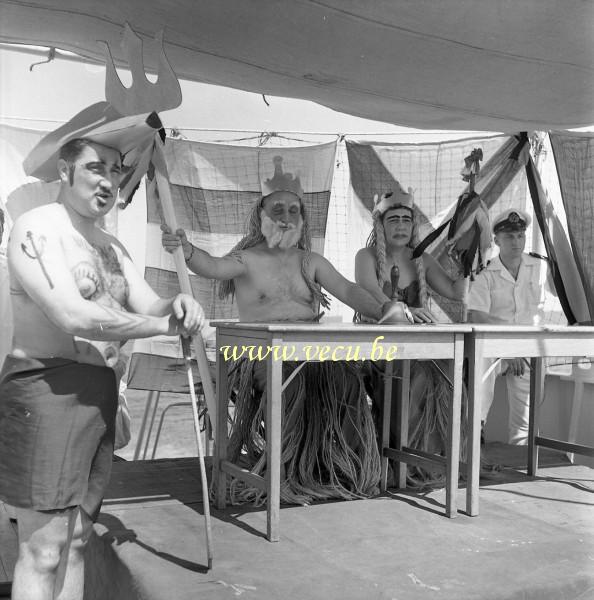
point(214, 188)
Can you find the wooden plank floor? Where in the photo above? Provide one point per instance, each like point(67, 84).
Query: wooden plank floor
point(150, 536)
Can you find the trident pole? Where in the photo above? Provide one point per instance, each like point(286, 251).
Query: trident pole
point(182, 273)
point(162, 180)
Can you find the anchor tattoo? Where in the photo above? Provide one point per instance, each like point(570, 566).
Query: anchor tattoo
point(37, 254)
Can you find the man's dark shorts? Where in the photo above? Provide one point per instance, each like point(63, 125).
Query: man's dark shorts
point(57, 424)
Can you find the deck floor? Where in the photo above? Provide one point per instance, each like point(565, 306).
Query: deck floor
point(534, 539)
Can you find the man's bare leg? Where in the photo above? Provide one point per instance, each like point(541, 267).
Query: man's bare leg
point(70, 581)
point(50, 564)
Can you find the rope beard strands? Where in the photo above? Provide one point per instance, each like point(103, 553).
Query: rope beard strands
point(254, 236)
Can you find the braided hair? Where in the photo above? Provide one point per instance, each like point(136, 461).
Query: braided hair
point(377, 241)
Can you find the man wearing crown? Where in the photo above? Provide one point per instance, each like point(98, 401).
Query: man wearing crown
point(329, 446)
point(510, 290)
point(76, 298)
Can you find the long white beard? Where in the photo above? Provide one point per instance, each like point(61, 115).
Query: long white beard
point(276, 236)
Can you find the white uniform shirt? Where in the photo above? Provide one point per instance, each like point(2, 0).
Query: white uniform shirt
point(518, 301)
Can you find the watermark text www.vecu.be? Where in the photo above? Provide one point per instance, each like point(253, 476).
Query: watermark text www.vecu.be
point(318, 352)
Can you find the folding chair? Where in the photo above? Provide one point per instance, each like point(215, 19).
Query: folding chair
point(582, 373)
point(158, 366)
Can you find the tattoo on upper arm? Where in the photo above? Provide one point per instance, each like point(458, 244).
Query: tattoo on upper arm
point(237, 255)
point(35, 250)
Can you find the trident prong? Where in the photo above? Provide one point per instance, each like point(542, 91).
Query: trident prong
point(142, 96)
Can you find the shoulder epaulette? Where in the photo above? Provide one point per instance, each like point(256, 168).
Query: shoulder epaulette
point(535, 255)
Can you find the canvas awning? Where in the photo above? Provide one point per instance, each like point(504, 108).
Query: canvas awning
point(454, 64)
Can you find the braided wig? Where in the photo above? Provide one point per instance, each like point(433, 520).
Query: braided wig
point(377, 241)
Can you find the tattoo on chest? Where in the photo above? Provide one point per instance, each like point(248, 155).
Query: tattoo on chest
point(34, 248)
point(101, 278)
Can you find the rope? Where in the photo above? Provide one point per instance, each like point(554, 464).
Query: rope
point(328, 438)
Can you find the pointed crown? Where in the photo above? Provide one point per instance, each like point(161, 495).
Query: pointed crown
point(394, 199)
point(281, 182)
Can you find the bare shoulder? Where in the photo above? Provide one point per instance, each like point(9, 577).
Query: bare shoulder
point(246, 255)
point(428, 260)
point(432, 265)
point(364, 253)
point(48, 216)
point(39, 226)
point(366, 258)
point(315, 258)
point(238, 263)
point(322, 268)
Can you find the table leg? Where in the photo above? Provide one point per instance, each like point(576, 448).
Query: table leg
point(403, 387)
point(536, 396)
point(453, 439)
point(221, 431)
point(273, 446)
point(473, 442)
point(576, 411)
point(386, 422)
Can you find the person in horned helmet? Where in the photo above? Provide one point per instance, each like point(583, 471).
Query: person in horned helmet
point(385, 267)
point(275, 276)
point(387, 270)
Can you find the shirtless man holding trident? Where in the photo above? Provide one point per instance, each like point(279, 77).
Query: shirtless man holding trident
point(76, 298)
point(276, 277)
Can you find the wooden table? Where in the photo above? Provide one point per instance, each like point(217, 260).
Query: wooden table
point(412, 342)
point(518, 341)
